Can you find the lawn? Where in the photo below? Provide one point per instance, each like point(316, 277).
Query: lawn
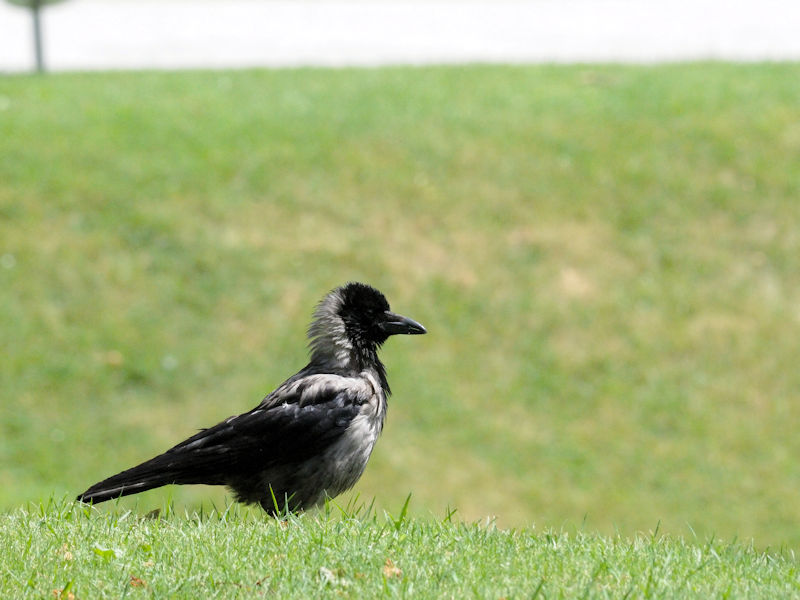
point(59, 550)
point(606, 259)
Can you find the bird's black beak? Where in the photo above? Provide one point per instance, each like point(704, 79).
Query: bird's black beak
point(393, 323)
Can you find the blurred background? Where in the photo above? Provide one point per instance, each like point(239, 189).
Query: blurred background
point(592, 206)
point(146, 34)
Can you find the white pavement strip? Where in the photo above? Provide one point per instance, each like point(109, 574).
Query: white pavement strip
point(127, 34)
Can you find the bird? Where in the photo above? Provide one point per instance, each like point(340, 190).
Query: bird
point(310, 438)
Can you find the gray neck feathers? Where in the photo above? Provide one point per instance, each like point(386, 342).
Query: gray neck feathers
point(328, 339)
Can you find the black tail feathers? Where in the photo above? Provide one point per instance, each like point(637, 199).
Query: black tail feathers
point(162, 470)
point(109, 489)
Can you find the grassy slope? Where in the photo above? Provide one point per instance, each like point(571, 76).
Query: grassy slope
point(236, 554)
point(606, 259)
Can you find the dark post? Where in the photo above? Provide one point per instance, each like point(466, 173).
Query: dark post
point(37, 35)
point(35, 7)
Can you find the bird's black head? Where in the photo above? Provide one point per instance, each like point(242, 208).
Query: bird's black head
point(350, 324)
point(366, 315)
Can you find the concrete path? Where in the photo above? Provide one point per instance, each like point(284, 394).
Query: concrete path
point(132, 34)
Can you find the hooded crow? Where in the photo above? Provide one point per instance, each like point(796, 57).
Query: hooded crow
point(310, 438)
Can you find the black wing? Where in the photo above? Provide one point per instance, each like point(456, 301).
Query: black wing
point(296, 422)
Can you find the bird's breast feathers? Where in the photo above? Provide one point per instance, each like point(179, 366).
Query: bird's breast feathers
point(339, 465)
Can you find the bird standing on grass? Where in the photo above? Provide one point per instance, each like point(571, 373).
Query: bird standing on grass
point(311, 437)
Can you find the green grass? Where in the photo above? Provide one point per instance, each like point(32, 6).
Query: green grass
point(59, 549)
point(605, 257)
